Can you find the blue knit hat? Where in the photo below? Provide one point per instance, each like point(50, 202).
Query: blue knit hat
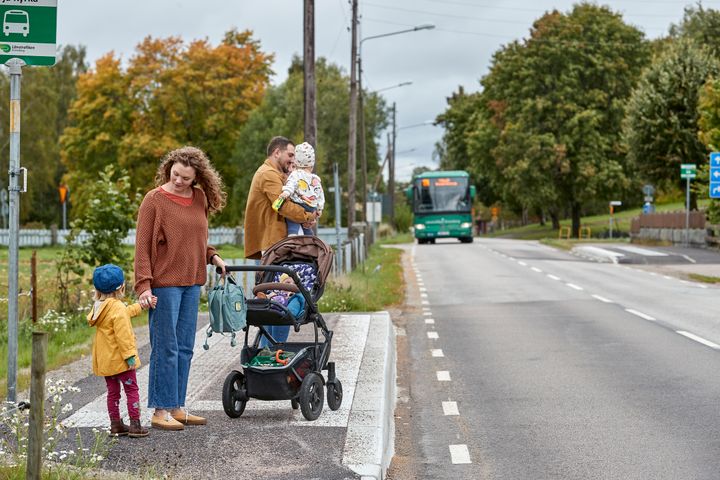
point(108, 278)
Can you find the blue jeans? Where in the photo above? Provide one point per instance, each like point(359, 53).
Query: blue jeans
point(294, 228)
point(172, 339)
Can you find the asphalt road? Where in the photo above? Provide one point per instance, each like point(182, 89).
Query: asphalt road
point(523, 362)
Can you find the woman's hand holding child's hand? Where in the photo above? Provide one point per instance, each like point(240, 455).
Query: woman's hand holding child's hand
point(148, 302)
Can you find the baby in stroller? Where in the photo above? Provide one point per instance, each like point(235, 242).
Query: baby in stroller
point(288, 283)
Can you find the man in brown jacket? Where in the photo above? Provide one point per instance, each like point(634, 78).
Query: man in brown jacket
point(264, 226)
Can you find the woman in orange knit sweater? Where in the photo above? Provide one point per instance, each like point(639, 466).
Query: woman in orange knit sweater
point(171, 254)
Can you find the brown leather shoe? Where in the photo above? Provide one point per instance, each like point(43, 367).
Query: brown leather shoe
point(136, 430)
point(166, 422)
point(118, 428)
point(186, 419)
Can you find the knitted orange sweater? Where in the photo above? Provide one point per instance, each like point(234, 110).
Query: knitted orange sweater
point(171, 245)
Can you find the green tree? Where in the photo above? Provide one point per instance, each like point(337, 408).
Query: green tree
point(96, 237)
point(661, 128)
point(556, 101)
point(281, 113)
point(46, 93)
point(700, 24)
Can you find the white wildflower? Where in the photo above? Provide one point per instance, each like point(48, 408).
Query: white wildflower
point(67, 408)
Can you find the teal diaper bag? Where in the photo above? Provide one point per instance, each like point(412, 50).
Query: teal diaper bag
point(228, 310)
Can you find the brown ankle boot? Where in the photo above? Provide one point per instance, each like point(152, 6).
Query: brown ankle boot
point(118, 428)
point(136, 429)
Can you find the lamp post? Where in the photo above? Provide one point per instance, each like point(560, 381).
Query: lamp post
point(363, 151)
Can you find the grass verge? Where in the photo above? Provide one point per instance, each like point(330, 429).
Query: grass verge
point(372, 287)
point(704, 278)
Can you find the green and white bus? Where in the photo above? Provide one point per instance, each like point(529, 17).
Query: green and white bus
point(442, 206)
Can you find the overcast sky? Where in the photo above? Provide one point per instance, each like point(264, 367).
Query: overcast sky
point(457, 52)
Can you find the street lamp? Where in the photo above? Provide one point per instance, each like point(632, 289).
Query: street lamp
point(401, 84)
point(363, 151)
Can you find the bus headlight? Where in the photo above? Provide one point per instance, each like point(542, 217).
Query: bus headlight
point(419, 226)
point(465, 225)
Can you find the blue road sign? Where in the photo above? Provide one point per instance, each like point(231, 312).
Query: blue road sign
point(714, 189)
point(715, 159)
point(715, 175)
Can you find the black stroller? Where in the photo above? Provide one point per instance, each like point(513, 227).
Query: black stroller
point(307, 260)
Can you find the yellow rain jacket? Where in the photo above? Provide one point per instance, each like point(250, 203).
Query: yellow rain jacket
point(114, 338)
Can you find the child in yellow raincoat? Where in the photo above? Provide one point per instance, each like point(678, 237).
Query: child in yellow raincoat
point(114, 352)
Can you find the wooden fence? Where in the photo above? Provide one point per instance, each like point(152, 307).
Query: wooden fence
point(673, 220)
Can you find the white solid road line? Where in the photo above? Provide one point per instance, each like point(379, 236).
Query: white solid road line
point(602, 299)
point(437, 352)
point(553, 277)
point(691, 336)
point(450, 408)
point(432, 335)
point(640, 314)
point(459, 454)
point(575, 287)
point(443, 375)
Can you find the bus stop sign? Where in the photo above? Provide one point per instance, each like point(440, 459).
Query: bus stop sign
point(29, 31)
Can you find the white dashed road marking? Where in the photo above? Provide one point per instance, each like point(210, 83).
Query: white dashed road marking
point(574, 287)
point(429, 321)
point(602, 299)
point(443, 375)
point(535, 269)
point(459, 454)
point(432, 335)
point(691, 336)
point(450, 408)
point(436, 352)
point(640, 314)
point(553, 277)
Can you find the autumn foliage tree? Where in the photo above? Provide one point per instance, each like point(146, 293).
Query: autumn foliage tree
point(171, 94)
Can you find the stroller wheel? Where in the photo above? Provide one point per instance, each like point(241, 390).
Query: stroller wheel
point(334, 394)
point(311, 396)
point(234, 396)
point(295, 404)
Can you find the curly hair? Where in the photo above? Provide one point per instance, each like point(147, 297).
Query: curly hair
point(206, 177)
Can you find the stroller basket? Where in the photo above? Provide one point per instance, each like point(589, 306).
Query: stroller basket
point(283, 382)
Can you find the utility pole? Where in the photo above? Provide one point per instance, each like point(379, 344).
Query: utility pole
point(352, 137)
point(391, 173)
point(310, 130)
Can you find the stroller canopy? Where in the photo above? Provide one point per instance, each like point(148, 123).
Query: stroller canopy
point(300, 248)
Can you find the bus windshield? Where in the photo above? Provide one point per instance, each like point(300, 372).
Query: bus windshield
point(442, 194)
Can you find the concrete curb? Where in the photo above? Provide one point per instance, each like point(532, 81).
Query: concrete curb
point(370, 440)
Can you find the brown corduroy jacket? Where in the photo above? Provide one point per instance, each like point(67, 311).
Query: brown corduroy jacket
point(263, 225)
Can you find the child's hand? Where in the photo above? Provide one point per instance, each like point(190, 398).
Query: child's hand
point(153, 301)
point(131, 362)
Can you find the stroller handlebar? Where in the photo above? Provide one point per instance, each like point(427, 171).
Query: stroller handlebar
point(272, 268)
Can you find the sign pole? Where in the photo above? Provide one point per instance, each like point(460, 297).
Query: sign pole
point(687, 211)
point(14, 233)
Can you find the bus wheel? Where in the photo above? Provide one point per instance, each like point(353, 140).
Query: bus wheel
point(431, 240)
point(466, 239)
